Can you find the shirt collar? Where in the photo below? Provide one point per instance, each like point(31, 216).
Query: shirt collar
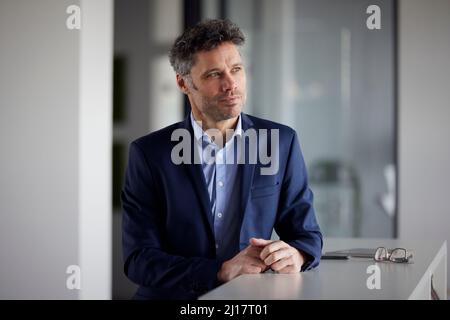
point(199, 133)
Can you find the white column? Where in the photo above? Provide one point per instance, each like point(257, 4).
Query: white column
point(95, 141)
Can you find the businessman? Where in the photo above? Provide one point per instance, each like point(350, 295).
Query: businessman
point(202, 196)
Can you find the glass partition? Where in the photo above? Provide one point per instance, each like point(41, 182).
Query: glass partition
point(317, 67)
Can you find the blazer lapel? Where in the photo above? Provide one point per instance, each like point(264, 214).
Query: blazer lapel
point(247, 168)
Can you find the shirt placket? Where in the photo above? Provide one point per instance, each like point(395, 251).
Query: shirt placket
point(219, 214)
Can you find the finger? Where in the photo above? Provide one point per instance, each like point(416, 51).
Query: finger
point(254, 252)
point(277, 256)
point(275, 246)
point(255, 261)
point(265, 268)
point(282, 264)
point(289, 269)
point(257, 242)
point(250, 269)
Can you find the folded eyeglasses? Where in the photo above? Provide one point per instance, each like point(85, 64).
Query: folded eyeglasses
point(398, 255)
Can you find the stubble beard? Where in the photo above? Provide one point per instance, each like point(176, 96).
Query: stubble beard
point(213, 110)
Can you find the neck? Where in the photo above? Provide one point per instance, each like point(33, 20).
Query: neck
point(222, 125)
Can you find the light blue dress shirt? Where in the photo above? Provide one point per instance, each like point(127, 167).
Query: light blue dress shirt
point(222, 177)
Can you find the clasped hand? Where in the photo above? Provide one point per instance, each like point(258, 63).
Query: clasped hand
point(261, 255)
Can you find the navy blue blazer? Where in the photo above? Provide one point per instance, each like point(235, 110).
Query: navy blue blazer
point(168, 233)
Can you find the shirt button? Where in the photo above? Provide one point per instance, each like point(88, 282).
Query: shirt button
point(220, 184)
point(219, 214)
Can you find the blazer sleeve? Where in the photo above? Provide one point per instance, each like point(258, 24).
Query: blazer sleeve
point(296, 222)
point(146, 261)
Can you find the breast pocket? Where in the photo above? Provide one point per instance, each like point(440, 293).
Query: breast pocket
point(264, 191)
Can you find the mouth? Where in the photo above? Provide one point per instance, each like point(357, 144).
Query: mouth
point(231, 100)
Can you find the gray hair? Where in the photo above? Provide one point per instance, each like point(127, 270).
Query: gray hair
point(204, 36)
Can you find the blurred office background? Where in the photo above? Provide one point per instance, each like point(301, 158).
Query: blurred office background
point(371, 108)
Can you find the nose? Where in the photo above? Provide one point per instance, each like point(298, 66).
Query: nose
point(228, 82)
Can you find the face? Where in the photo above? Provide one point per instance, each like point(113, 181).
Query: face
point(217, 84)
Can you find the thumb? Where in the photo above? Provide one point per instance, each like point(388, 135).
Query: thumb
point(259, 242)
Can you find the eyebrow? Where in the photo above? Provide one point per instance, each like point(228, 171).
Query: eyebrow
point(237, 64)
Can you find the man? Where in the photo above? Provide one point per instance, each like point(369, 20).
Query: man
point(189, 226)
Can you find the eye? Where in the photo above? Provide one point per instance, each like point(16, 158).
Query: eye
point(236, 69)
point(213, 75)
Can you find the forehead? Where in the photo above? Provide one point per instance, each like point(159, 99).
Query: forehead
point(226, 54)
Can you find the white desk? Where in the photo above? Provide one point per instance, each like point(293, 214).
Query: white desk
point(347, 279)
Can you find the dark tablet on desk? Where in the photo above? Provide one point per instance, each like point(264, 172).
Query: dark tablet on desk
point(334, 256)
point(328, 256)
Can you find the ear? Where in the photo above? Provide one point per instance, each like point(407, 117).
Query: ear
point(182, 85)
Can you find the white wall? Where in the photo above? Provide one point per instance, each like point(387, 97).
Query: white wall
point(55, 140)
point(424, 119)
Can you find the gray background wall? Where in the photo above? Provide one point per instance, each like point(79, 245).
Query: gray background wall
point(424, 120)
point(39, 63)
point(55, 140)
